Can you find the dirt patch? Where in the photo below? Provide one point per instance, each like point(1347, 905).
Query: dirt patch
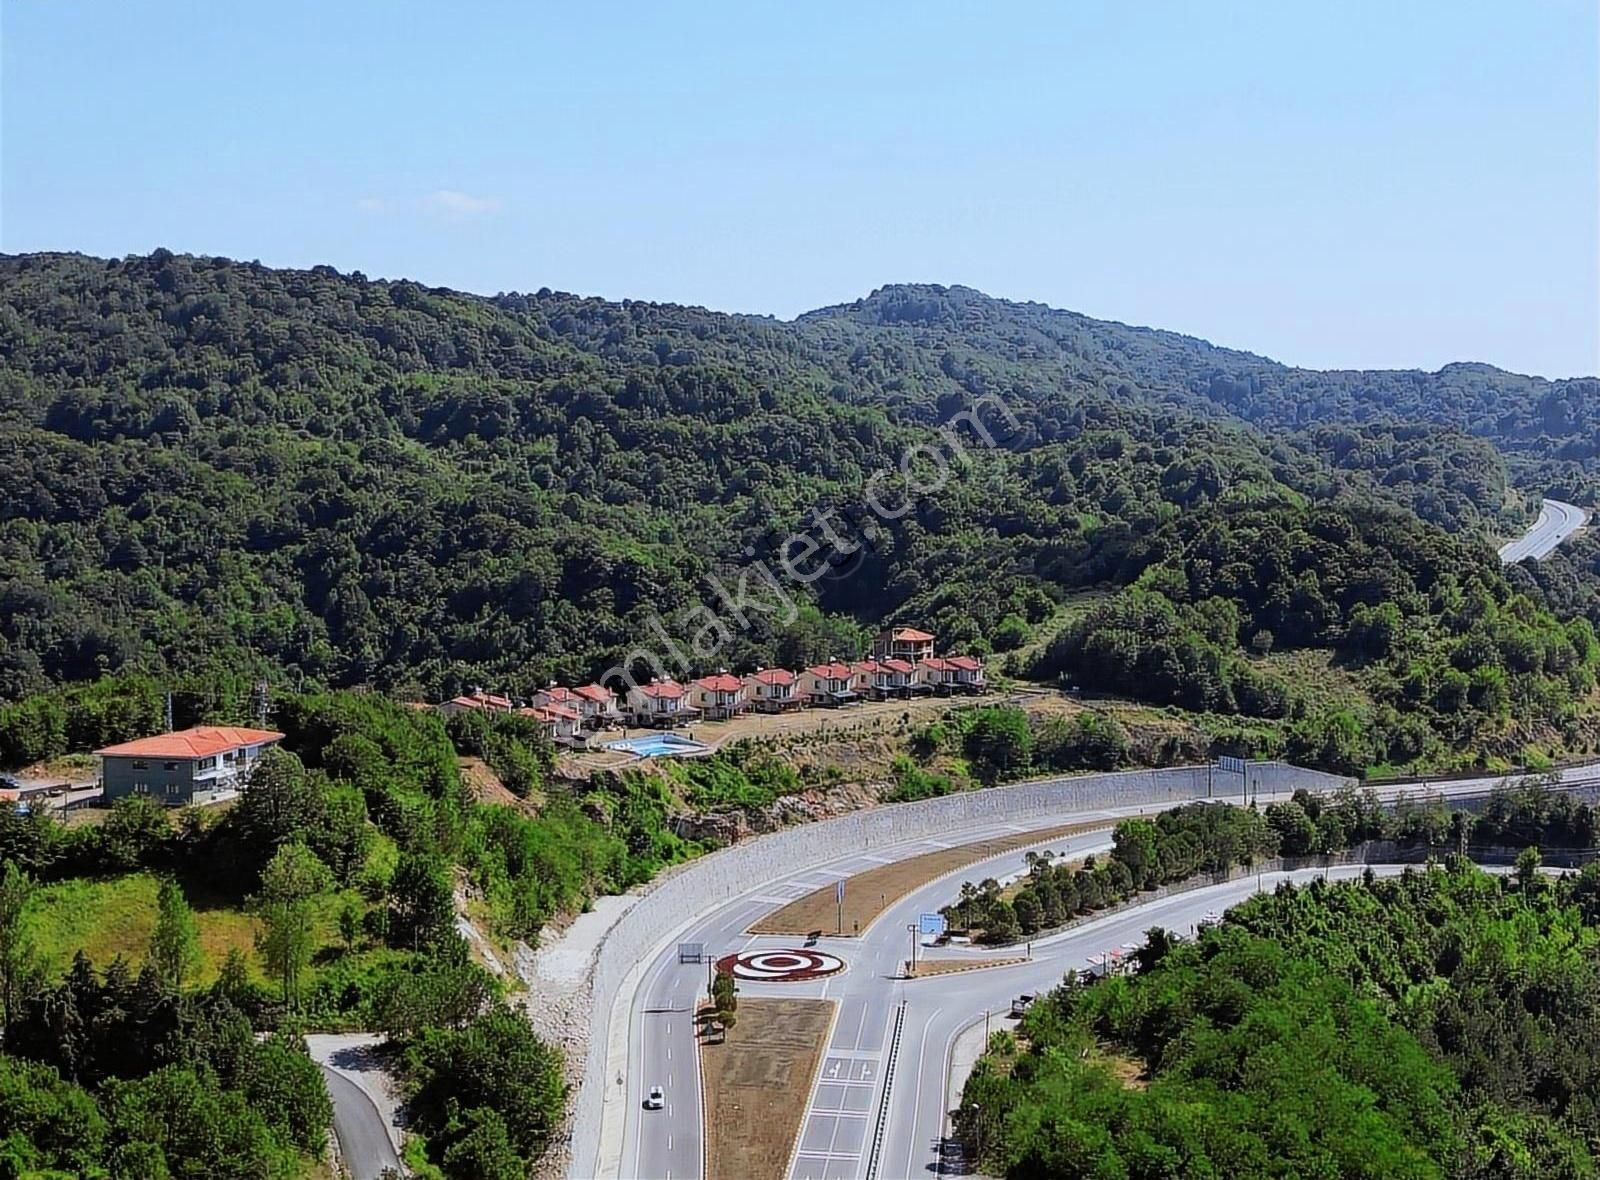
point(1129, 1073)
point(869, 893)
point(927, 967)
point(757, 1083)
point(485, 784)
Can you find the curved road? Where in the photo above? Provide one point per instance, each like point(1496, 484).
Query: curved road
point(840, 1119)
point(364, 1142)
point(1557, 521)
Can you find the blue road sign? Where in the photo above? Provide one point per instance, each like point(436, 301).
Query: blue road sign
point(931, 924)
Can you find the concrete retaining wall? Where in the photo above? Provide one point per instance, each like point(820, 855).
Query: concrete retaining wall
point(725, 874)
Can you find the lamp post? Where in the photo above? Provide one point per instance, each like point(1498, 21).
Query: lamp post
point(913, 928)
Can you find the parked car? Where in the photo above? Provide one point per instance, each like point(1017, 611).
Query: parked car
point(655, 1100)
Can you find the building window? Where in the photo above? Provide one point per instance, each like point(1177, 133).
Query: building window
point(170, 766)
point(207, 763)
point(140, 764)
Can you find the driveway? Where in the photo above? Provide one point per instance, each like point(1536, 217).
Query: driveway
point(366, 1109)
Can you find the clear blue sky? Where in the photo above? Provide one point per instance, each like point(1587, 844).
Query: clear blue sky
point(1336, 185)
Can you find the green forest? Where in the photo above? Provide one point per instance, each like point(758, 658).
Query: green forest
point(1440, 1023)
point(328, 481)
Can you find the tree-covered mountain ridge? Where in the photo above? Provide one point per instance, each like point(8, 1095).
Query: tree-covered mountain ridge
point(360, 482)
point(1508, 408)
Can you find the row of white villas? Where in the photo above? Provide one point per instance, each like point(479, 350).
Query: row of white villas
point(903, 665)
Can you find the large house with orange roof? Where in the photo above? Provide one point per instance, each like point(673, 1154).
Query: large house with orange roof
point(828, 684)
point(661, 702)
point(902, 643)
point(187, 766)
point(772, 690)
point(718, 697)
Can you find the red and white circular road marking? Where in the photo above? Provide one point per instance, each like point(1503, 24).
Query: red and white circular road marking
point(781, 966)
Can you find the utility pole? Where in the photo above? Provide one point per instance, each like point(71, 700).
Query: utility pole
point(914, 929)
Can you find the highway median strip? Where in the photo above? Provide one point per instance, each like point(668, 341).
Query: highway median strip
point(757, 1079)
point(869, 893)
point(929, 967)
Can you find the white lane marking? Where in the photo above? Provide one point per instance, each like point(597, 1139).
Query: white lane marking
point(669, 1052)
point(916, 1104)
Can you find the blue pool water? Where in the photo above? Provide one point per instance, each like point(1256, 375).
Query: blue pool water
point(658, 745)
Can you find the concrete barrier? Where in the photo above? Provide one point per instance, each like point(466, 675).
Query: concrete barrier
point(647, 927)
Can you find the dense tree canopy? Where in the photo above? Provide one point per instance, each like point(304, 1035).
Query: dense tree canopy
point(317, 476)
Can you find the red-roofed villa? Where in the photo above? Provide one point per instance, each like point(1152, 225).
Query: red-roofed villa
point(187, 766)
point(718, 697)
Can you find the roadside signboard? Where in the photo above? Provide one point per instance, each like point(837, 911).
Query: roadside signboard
point(1231, 765)
point(931, 924)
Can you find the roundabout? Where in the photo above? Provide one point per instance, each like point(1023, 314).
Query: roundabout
point(780, 966)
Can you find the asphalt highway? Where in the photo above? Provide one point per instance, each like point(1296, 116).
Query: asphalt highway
point(841, 1117)
point(1557, 521)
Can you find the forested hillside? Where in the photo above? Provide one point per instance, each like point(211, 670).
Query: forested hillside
point(1554, 426)
point(341, 482)
point(1438, 1024)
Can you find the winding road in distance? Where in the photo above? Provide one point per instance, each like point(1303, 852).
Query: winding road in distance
point(1557, 521)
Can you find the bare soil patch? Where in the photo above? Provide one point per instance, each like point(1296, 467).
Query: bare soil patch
point(869, 893)
point(757, 1083)
point(927, 967)
point(484, 783)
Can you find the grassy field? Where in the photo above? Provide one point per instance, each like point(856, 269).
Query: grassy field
point(116, 916)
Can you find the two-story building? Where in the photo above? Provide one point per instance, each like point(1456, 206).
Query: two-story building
point(598, 705)
point(718, 697)
point(827, 684)
point(892, 678)
point(772, 690)
point(947, 674)
point(595, 705)
point(661, 703)
point(902, 643)
point(186, 766)
point(560, 722)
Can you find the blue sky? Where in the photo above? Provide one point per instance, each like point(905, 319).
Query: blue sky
point(1335, 185)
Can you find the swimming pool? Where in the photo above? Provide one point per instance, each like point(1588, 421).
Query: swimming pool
point(658, 745)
